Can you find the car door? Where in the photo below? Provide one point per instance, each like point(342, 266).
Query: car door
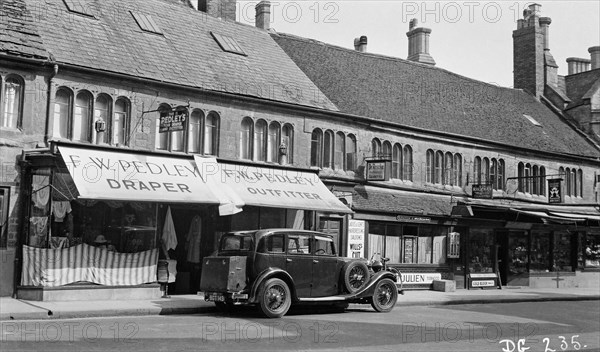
point(299, 262)
point(325, 267)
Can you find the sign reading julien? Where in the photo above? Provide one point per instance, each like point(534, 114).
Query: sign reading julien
point(101, 174)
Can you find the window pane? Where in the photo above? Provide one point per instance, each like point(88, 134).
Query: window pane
point(260, 141)
point(120, 122)
point(481, 243)
point(430, 166)
point(101, 113)
point(328, 150)
point(439, 167)
point(340, 143)
point(392, 248)
point(287, 138)
point(210, 134)
point(407, 167)
point(245, 139)
point(350, 153)
point(81, 117)
point(12, 103)
point(397, 162)
point(324, 246)
point(425, 249)
point(458, 170)
point(61, 113)
point(562, 251)
point(273, 143)
point(376, 148)
point(448, 169)
point(540, 252)
point(163, 138)
point(316, 146)
point(194, 132)
point(298, 244)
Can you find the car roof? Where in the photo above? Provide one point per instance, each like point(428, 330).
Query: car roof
point(263, 232)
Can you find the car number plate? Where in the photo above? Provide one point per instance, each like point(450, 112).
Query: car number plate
point(216, 297)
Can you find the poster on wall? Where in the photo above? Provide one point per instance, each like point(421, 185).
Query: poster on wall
point(356, 238)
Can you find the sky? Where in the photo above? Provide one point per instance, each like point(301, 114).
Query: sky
point(471, 38)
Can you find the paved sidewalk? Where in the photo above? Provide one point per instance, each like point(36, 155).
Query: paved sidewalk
point(14, 309)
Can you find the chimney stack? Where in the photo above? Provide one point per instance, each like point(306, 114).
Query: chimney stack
point(224, 9)
point(418, 43)
point(360, 44)
point(529, 57)
point(578, 65)
point(595, 57)
point(263, 15)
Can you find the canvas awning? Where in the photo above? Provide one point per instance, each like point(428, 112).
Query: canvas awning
point(238, 185)
point(115, 175)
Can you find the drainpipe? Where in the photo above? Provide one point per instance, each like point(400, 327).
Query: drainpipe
point(48, 105)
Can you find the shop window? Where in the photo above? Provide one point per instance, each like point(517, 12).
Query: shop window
point(562, 253)
point(481, 244)
point(408, 244)
point(11, 102)
point(592, 251)
point(540, 252)
point(4, 202)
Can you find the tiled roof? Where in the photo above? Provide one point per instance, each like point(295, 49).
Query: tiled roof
point(431, 98)
point(185, 54)
point(18, 33)
point(368, 198)
point(579, 84)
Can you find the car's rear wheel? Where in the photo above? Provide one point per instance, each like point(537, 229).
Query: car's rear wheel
point(274, 298)
point(356, 275)
point(385, 296)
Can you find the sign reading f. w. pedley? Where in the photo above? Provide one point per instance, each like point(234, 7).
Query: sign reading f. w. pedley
point(103, 174)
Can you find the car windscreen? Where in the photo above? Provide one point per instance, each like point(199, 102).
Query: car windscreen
point(236, 243)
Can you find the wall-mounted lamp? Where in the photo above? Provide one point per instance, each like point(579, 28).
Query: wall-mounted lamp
point(100, 126)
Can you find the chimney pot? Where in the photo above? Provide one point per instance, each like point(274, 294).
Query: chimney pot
point(577, 65)
point(595, 57)
point(418, 43)
point(360, 44)
point(263, 15)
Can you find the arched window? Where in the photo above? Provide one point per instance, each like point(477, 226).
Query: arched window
point(62, 112)
point(574, 185)
point(439, 167)
point(246, 133)
point(328, 149)
point(527, 179)
point(535, 189)
point(407, 163)
point(375, 148)
point(350, 153)
point(580, 182)
point(260, 140)
point(120, 123)
point(82, 117)
point(162, 142)
point(485, 170)
point(12, 99)
point(287, 138)
point(458, 170)
point(448, 169)
point(520, 175)
point(211, 134)
point(387, 149)
point(542, 181)
point(316, 148)
point(102, 114)
point(195, 131)
point(500, 174)
point(493, 173)
point(477, 170)
point(340, 145)
point(430, 166)
point(273, 142)
point(397, 161)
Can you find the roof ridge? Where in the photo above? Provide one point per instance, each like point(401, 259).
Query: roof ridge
point(392, 58)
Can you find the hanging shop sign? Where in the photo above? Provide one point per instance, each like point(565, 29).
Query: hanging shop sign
point(175, 120)
point(356, 238)
point(378, 170)
point(482, 191)
point(554, 191)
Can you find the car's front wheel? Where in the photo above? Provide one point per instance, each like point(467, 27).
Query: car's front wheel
point(274, 298)
point(385, 296)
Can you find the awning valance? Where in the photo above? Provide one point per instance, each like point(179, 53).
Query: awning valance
point(239, 185)
point(115, 175)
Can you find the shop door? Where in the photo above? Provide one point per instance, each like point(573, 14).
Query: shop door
point(513, 258)
point(502, 258)
point(333, 227)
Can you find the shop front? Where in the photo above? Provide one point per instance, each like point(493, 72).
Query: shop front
point(535, 246)
point(100, 218)
point(414, 230)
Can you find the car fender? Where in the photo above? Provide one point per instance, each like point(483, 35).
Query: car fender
point(369, 289)
point(268, 274)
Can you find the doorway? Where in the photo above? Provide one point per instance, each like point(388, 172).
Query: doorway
point(513, 257)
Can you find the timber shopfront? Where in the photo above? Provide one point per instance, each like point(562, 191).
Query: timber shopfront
point(537, 246)
point(101, 217)
point(414, 230)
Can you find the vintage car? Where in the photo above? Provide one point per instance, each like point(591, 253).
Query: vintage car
point(275, 268)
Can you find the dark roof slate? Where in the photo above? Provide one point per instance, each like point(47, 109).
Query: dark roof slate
point(186, 54)
point(18, 33)
point(400, 202)
point(579, 84)
point(431, 98)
